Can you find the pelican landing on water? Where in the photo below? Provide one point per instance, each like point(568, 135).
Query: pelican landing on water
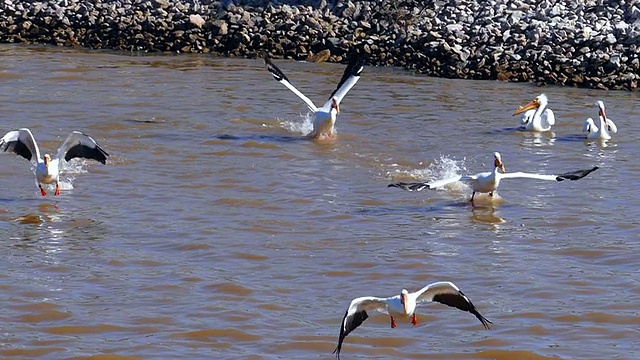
point(537, 117)
point(403, 306)
point(488, 182)
point(47, 169)
point(324, 117)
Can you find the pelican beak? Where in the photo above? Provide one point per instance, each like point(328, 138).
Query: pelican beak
point(604, 116)
point(532, 105)
point(500, 164)
point(46, 162)
point(404, 302)
point(335, 106)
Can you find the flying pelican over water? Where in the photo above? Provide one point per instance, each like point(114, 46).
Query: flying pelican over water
point(77, 145)
point(324, 117)
point(602, 132)
point(536, 115)
point(403, 306)
point(487, 182)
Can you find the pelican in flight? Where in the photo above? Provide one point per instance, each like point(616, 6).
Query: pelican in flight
point(324, 117)
point(47, 170)
point(404, 306)
point(536, 115)
point(487, 182)
point(606, 128)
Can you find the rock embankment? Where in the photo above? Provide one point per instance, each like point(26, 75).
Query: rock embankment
point(589, 43)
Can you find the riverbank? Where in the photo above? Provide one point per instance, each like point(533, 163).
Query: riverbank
point(582, 44)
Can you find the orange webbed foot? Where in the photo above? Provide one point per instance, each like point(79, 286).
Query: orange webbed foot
point(42, 192)
point(393, 323)
point(57, 189)
point(414, 320)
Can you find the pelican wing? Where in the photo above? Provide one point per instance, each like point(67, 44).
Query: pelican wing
point(282, 78)
point(356, 314)
point(589, 126)
point(549, 117)
point(612, 126)
point(448, 293)
point(80, 145)
point(350, 77)
point(573, 175)
point(22, 143)
point(527, 117)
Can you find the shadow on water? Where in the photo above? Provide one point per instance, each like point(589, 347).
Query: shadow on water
point(269, 138)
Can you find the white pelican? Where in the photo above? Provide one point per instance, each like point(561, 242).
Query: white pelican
point(77, 145)
point(487, 182)
point(537, 117)
point(404, 306)
point(324, 117)
point(606, 127)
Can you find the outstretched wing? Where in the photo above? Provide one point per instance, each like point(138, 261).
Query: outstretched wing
point(80, 145)
point(447, 293)
point(22, 143)
point(356, 314)
point(350, 77)
point(573, 175)
point(282, 78)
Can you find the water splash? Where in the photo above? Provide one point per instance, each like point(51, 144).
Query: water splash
point(441, 168)
point(303, 127)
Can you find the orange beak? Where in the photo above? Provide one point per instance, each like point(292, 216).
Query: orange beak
point(46, 162)
point(532, 105)
point(499, 164)
point(335, 106)
point(604, 116)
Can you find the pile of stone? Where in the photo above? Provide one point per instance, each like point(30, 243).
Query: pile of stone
point(589, 43)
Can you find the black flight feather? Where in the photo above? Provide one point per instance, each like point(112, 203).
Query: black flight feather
point(348, 325)
point(576, 175)
point(17, 147)
point(463, 303)
point(355, 67)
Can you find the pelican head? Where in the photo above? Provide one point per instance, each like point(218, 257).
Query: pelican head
point(539, 101)
point(47, 160)
point(334, 105)
point(404, 299)
point(498, 162)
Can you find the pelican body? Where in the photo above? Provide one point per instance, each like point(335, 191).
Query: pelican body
point(47, 169)
point(537, 117)
point(606, 128)
point(403, 306)
point(325, 117)
point(488, 182)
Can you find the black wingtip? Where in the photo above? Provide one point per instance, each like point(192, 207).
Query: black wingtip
point(576, 175)
point(410, 186)
point(273, 69)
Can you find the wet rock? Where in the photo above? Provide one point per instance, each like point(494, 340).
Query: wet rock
point(547, 42)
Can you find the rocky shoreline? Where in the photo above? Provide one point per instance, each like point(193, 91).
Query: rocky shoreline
point(591, 43)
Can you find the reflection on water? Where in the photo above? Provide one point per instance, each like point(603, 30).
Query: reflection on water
point(213, 205)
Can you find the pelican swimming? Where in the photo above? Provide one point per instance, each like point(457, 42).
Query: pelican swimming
point(536, 115)
point(324, 117)
point(47, 169)
point(606, 128)
point(487, 182)
point(403, 306)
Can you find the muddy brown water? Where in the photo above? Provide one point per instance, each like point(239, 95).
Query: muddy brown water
point(216, 231)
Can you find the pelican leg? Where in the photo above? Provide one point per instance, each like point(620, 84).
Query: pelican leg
point(57, 189)
point(44, 193)
point(393, 323)
point(414, 320)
